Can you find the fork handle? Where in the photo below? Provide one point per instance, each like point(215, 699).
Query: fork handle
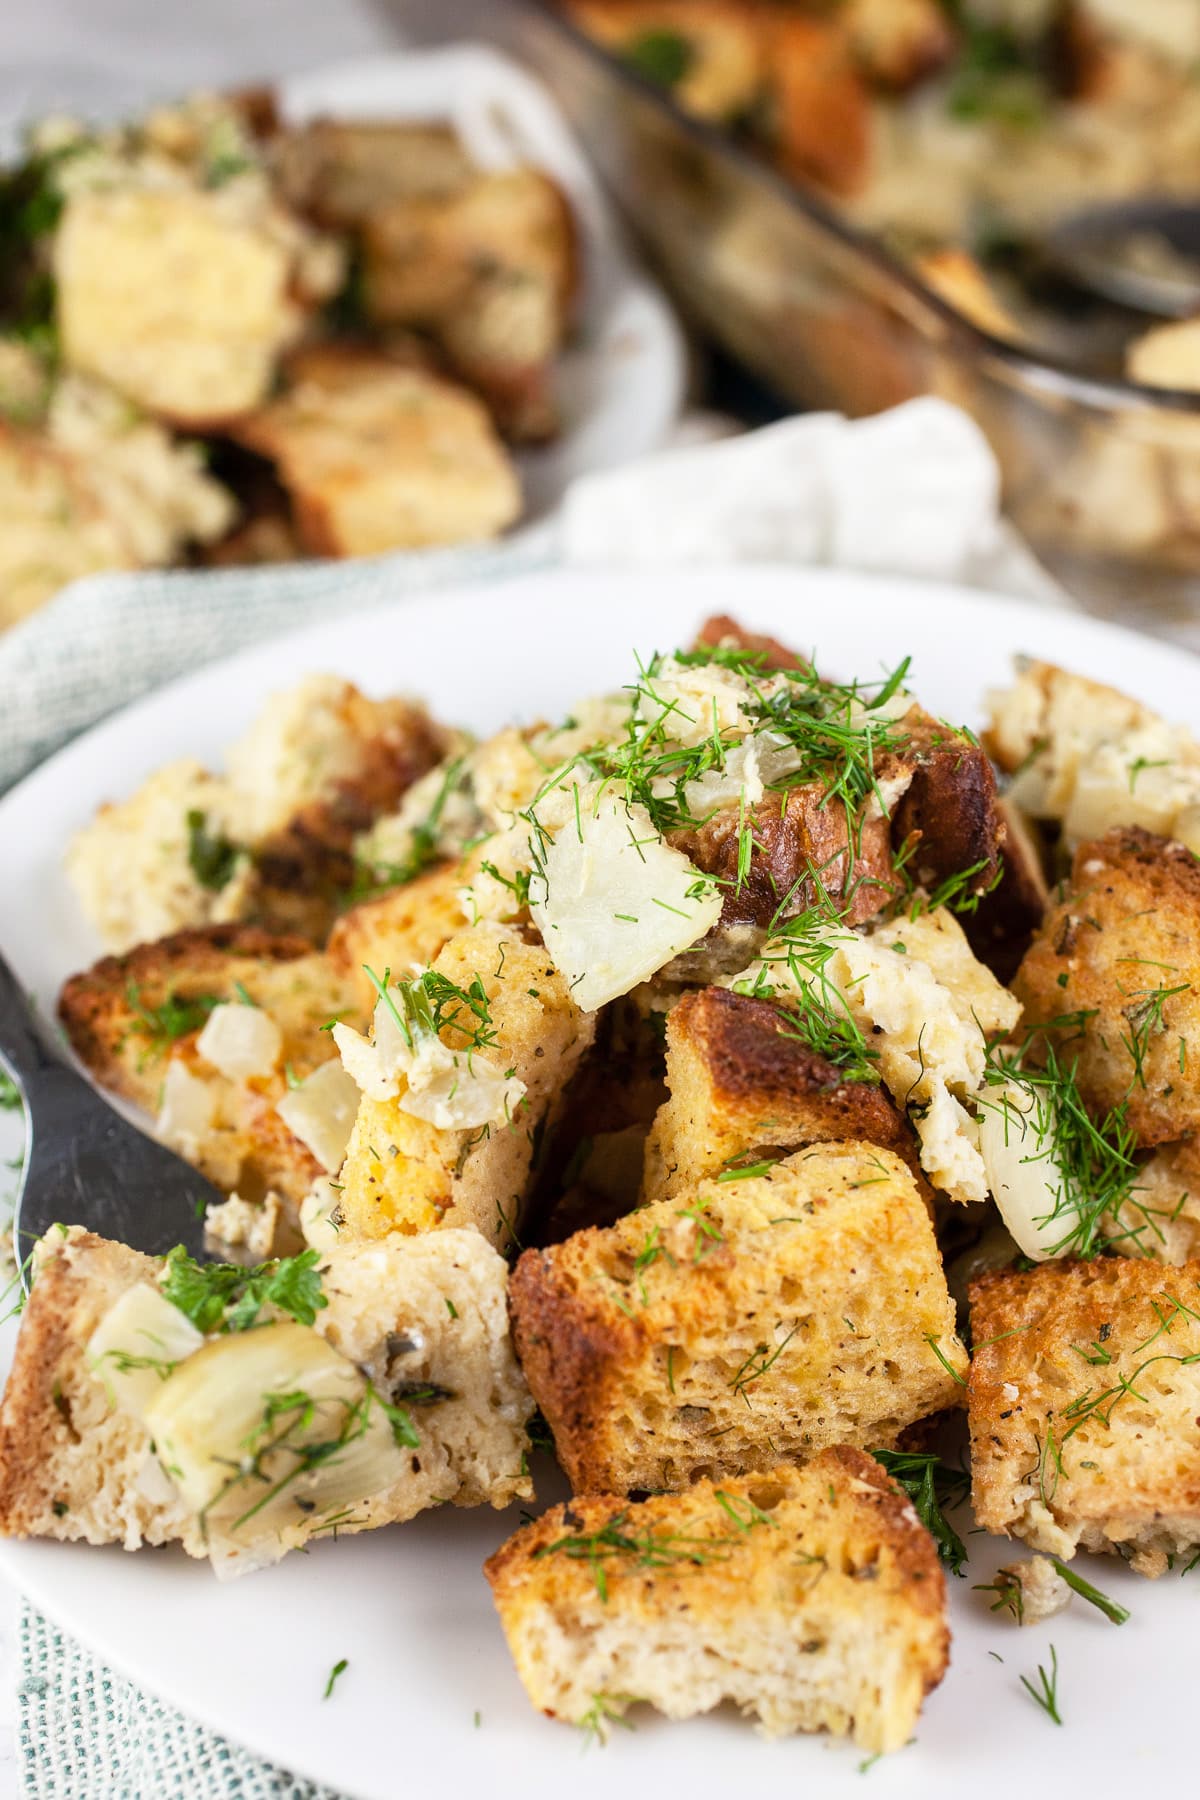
point(27, 1049)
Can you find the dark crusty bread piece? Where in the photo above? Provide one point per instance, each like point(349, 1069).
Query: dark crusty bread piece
point(810, 1597)
point(742, 1084)
point(1126, 931)
point(756, 1320)
point(1083, 1398)
point(72, 1466)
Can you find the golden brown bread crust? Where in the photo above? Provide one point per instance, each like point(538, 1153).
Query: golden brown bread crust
point(409, 924)
point(769, 1317)
point(814, 1599)
point(1083, 1396)
point(305, 870)
point(744, 1085)
point(823, 108)
point(1124, 935)
point(123, 1020)
point(101, 1009)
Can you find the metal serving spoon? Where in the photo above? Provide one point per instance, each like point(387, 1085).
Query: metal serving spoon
point(84, 1164)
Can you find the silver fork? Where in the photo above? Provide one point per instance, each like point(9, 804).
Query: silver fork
point(84, 1163)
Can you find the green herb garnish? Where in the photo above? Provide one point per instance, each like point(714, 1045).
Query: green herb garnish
point(227, 1297)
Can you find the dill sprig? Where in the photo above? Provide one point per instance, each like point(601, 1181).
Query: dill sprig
point(932, 1486)
point(614, 1546)
point(1045, 1692)
point(813, 1008)
point(212, 856)
point(425, 842)
point(431, 1003)
point(761, 1359)
point(1110, 1608)
point(1096, 1158)
point(173, 1018)
point(605, 1711)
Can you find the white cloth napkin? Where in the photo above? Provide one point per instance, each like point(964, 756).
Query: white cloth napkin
point(915, 491)
point(912, 492)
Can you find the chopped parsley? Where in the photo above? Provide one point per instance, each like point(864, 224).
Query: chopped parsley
point(10, 1093)
point(227, 1297)
point(173, 1018)
point(211, 856)
point(662, 56)
point(339, 1668)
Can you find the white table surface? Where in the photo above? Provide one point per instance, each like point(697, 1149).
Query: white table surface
point(100, 58)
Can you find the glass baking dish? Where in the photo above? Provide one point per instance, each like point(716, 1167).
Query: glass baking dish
point(1101, 476)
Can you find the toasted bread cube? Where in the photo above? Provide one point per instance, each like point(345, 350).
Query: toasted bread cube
point(173, 299)
point(822, 105)
point(811, 1598)
point(769, 1317)
point(378, 456)
point(743, 1084)
point(405, 1174)
point(53, 527)
point(1161, 1217)
point(1090, 758)
point(1122, 950)
point(491, 273)
point(407, 925)
point(899, 42)
point(129, 1019)
point(320, 763)
point(1083, 1398)
point(342, 171)
point(411, 1315)
point(709, 53)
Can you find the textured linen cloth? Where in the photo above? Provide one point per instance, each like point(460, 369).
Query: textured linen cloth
point(913, 492)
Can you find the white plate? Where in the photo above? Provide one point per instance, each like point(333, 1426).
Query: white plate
point(408, 1607)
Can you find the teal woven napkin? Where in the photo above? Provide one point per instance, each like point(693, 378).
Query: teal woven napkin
point(110, 638)
point(85, 1733)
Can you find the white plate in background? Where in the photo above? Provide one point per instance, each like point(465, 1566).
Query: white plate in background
point(408, 1607)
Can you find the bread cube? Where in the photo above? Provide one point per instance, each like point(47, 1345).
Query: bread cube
point(405, 1174)
point(811, 1598)
point(742, 1083)
point(1121, 949)
point(1083, 1399)
point(377, 456)
point(423, 1321)
point(173, 299)
point(767, 1317)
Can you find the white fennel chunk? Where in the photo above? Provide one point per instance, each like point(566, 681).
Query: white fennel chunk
point(1016, 1141)
point(262, 1430)
point(320, 1112)
point(456, 1089)
point(138, 1344)
point(613, 902)
point(240, 1041)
